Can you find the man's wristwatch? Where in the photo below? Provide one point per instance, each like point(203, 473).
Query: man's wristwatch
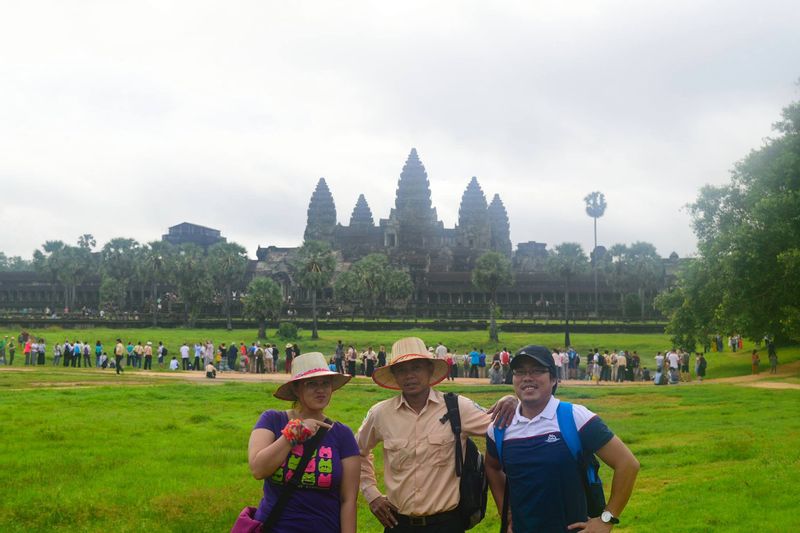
point(609, 518)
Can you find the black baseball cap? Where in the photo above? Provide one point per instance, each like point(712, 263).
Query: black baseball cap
point(539, 354)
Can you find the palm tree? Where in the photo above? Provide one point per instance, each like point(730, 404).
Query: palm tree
point(492, 270)
point(595, 208)
point(154, 264)
point(313, 270)
point(228, 262)
point(646, 268)
point(262, 300)
point(567, 261)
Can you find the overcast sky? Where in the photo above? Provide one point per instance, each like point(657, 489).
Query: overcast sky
point(125, 118)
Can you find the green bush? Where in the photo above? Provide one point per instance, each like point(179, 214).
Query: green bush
point(287, 331)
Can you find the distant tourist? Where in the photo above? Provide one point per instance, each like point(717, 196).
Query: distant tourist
point(211, 371)
point(700, 366)
point(496, 374)
point(755, 361)
point(173, 365)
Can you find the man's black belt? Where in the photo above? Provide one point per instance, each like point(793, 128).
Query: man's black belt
point(421, 521)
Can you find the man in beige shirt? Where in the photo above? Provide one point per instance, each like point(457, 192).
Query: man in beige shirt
point(422, 490)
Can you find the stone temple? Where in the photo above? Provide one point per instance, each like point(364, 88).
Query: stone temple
point(413, 236)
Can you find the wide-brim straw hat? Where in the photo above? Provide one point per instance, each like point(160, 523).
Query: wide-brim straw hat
point(403, 351)
point(307, 366)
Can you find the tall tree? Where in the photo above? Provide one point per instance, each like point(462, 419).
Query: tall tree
point(228, 264)
point(614, 268)
point(119, 262)
point(154, 266)
point(646, 269)
point(566, 262)
point(595, 208)
point(373, 282)
point(46, 261)
point(492, 271)
point(261, 301)
point(192, 280)
point(313, 270)
point(14, 263)
point(748, 233)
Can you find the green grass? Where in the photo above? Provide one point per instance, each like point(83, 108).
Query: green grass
point(149, 455)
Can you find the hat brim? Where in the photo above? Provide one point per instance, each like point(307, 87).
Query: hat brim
point(285, 391)
point(383, 376)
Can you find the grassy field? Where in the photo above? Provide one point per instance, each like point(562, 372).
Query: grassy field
point(85, 450)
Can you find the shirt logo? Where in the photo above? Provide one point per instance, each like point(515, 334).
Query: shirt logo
point(552, 438)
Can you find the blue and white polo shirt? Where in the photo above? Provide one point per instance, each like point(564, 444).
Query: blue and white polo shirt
point(545, 486)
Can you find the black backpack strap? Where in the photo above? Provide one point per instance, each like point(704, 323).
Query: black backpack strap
point(454, 416)
point(309, 447)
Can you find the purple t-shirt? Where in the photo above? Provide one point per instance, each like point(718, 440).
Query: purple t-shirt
point(314, 505)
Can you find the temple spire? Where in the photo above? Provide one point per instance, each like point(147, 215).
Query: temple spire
point(321, 213)
point(473, 221)
point(362, 214)
point(415, 214)
point(499, 227)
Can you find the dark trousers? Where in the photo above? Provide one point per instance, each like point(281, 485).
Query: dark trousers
point(148, 363)
point(87, 360)
point(11, 357)
point(76, 361)
point(351, 368)
point(339, 367)
point(185, 363)
point(197, 365)
point(451, 526)
point(473, 371)
point(119, 363)
point(370, 367)
point(259, 365)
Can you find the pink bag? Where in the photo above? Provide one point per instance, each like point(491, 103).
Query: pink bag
point(246, 522)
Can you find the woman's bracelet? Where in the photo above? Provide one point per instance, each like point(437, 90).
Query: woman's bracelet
point(295, 432)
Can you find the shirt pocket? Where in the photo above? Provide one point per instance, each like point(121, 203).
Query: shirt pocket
point(397, 454)
point(441, 449)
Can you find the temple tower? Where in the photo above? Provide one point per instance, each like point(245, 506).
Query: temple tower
point(321, 215)
point(362, 214)
point(416, 218)
point(473, 218)
point(499, 228)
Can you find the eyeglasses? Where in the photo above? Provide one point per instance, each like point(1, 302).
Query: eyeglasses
point(535, 371)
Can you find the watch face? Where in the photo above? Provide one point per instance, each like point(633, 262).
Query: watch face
point(606, 517)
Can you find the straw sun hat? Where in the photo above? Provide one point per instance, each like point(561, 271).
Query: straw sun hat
point(405, 350)
point(306, 366)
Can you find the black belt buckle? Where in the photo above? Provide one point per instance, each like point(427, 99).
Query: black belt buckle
point(418, 521)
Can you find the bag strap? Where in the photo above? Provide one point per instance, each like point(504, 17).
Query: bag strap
point(309, 447)
point(454, 416)
point(499, 435)
point(566, 424)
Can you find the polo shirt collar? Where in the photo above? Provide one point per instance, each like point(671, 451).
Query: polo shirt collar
point(548, 412)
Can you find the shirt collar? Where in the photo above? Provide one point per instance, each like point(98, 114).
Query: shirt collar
point(433, 396)
point(548, 412)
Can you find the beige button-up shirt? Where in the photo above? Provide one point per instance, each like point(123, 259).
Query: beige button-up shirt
point(419, 469)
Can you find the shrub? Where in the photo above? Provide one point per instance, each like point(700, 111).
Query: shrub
point(287, 331)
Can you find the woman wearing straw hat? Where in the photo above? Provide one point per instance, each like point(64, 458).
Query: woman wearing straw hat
point(325, 498)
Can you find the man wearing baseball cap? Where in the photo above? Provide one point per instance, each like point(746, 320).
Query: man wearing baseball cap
point(422, 490)
point(546, 488)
